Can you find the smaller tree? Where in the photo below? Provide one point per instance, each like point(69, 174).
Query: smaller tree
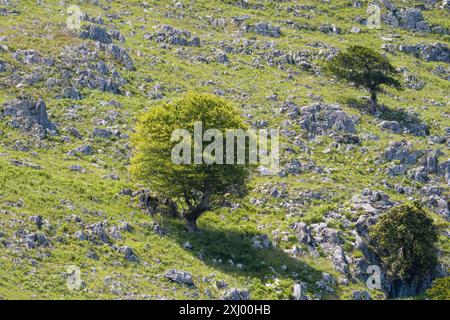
point(366, 69)
point(405, 239)
point(440, 290)
point(197, 187)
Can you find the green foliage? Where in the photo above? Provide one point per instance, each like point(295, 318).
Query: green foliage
point(194, 183)
point(405, 240)
point(365, 68)
point(440, 289)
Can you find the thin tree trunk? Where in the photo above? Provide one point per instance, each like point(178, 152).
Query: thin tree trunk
point(373, 101)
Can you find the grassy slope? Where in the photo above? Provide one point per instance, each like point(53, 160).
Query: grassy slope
point(226, 235)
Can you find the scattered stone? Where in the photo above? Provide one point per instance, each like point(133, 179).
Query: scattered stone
point(168, 34)
point(237, 294)
point(77, 168)
point(329, 29)
point(80, 235)
point(298, 293)
point(181, 277)
point(392, 126)
point(266, 29)
point(361, 295)
point(84, 149)
point(261, 242)
point(187, 245)
point(32, 57)
point(128, 253)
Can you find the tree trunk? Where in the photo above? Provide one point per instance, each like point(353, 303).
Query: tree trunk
point(373, 101)
point(191, 225)
point(194, 213)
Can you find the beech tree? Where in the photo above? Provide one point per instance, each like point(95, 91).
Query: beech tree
point(197, 187)
point(366, 69)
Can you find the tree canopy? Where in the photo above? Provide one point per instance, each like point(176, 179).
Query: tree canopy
point(198, 187)
point(365, 68)
point(405, 240)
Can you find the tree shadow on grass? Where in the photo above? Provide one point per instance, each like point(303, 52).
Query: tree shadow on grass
point(404, 118)
point(214, 244)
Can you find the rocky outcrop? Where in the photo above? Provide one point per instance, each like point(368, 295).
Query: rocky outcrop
point(95, 32)
point(401, 151)
point(329, 239)
point(29, 116)
point(89, 71)
point(120, 55)
point(320, 119)
point(410, 18)
point(437, 51)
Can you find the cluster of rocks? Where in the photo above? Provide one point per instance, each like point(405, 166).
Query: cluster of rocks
point(412, 81)
point(101, 232)
point(406, 156)
point(330, 29)
point(372, 202)
point(170, 35)
point(261, 242)
point(32, 57)
point(119, 54)
point(284, 59)
point(180, 277)
point(264, 29)
point(435, 199)
point(106, 133)
point(83, 149)
point(414, 127)
point(410, 18)
point(446, 4)
point(443, 72)
point(128, 253)
point(153, 205)
point(329, 239)
point(29, 116)
point(24, 163)
point(32, 240)
point(244, 46)
point(321, 119)
point(437, 51)
point(95, 32)
point(236, 294)
point(89, 71)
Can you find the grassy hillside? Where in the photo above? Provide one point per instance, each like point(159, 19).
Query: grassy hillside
point(38, 177)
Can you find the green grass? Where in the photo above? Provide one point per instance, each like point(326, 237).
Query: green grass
point(226, 234)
